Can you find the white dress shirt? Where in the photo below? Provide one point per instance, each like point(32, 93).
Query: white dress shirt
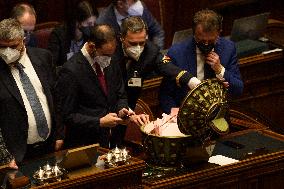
point(33, 136)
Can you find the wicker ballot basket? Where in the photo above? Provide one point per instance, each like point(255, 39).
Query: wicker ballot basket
point(200, 116)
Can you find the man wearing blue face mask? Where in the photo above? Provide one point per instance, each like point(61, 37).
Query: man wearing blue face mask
point(90, 88)
point(121, 9)
point(203, 56)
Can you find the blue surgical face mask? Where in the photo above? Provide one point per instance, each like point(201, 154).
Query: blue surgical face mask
point(136, 9)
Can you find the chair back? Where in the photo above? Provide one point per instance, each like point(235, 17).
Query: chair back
point(43, 31)
point(133, 133)
point(181, 35)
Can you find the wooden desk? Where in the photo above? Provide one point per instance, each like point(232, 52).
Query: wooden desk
point(261, 171)
point(124, 176)
point(263, 77)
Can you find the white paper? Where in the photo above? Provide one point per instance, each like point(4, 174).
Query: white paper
point(222, 160)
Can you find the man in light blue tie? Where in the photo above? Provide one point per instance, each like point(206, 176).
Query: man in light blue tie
point(27, 116)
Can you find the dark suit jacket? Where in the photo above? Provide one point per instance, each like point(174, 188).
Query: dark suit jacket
point(148, 66)
point(13, 116)
point(59, 45)
point(183, 55)
point(155, 31)
point(82, 100)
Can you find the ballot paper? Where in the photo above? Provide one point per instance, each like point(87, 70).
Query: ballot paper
point(166, 126)
point(222, 160)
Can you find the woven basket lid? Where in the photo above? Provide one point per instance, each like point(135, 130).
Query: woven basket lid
point(203, 110)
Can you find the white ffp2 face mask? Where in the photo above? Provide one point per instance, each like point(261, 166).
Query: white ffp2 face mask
point(135, 52)
point(103, 61)
point(136, 9)
point(10, 55)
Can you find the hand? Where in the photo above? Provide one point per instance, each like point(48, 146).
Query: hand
point(225, 83)
point(58, 144)
point(213, 60)
point(124, 113)
point(193, 82)
point(140, 120)
point(110, 120)
point(13, 164)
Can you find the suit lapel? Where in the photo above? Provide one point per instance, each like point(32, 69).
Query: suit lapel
point(191, 57)
point(9, 81)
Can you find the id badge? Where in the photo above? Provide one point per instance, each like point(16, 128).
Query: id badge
point(135, 82)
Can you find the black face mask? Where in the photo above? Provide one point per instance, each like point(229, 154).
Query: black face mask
point(86, 31)
point(205, 49)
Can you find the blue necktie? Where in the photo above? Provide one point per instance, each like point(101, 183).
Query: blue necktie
point(33, 99)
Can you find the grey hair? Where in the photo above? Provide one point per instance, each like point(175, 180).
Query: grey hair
point(11, 29)
point(208, 19)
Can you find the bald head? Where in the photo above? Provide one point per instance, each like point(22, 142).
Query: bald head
point(26, 15)
point(102, 34)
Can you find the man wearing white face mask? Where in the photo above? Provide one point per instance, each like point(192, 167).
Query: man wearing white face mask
point(27, 115)
point(121, 9)
point(139, 58)
point(93, 101)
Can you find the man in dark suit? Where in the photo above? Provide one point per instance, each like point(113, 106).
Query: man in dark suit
point(93, 101)
point(140, 59)
point(27, 117)
point(206, 55)
point(121, 9)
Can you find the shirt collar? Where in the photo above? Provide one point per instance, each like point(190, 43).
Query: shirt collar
point(86, 54)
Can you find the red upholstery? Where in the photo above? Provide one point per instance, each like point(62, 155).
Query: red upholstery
point(42, 32)
point(133, 133)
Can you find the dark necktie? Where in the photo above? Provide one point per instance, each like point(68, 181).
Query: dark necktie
point(101, 77)
point(33, 99)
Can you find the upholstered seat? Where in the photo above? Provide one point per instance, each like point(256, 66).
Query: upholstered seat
point(42, 32)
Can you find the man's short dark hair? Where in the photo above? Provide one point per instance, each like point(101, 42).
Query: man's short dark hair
point(208, 19)
point(21, 8)
point(101, 34)
point(133, 24)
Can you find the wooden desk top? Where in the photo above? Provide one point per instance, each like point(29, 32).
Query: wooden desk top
point(242, 174)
